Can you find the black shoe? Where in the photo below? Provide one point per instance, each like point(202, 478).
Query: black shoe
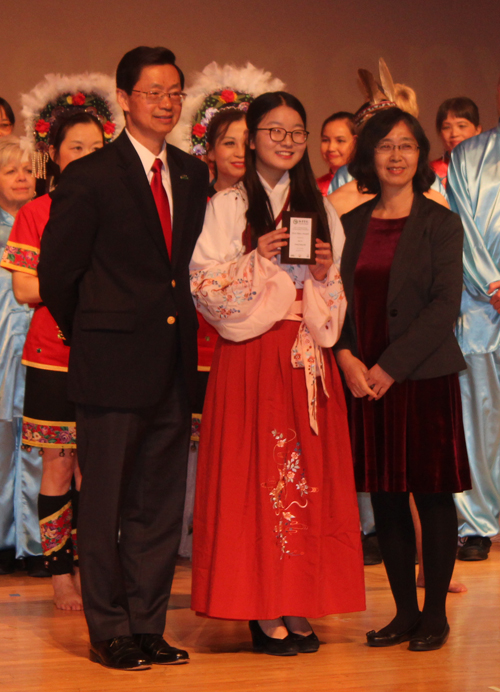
point(35, 564)
point(307, 643)
point(375, 639)
point(474, 548)
point(121, 653)
point(371, 550)
point(7, 561)
point(158, 651)
point(431, 642)
point(268, 645)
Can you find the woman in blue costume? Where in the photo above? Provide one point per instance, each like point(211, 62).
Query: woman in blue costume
point(17, 186)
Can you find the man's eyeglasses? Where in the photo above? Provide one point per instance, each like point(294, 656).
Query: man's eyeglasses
point(155, 96)
point(278, 134)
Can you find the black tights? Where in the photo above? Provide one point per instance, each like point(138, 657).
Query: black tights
point(396, 537)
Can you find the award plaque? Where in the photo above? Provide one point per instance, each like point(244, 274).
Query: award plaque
point(301, 246)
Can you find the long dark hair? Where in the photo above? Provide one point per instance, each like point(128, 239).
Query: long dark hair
point(362, 166)
point(304, 194)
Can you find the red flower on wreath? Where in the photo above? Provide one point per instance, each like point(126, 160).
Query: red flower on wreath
point(78, 98)
point(42, 127)
point(228, 96)
point(199, 130)
point(109, 128)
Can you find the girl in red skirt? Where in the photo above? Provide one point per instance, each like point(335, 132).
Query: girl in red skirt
point(276, 527)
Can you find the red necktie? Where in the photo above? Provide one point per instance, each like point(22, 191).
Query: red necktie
point(162, 204)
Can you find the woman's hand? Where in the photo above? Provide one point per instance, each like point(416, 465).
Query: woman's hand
point(324, 260)
point(269, 245)
point(495, 298)
point(379, 380)
point(355, 373)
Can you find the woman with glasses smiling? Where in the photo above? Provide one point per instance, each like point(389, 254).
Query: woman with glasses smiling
point(402, 272)
point(276, 527)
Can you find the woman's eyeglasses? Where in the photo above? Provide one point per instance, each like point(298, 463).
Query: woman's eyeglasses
point(404, 148)
point(278, 134)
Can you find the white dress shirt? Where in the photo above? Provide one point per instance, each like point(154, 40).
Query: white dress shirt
point(147, 159)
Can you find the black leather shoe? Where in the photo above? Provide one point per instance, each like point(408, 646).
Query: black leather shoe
point(375, 639)
point(431, 642)
point(158, 651)
point(474, 548)
point(268, 645)
point(371, 550)
point(121, 653)
point(307, 643)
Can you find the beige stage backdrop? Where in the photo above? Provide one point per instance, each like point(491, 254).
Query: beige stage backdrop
point(440, 48)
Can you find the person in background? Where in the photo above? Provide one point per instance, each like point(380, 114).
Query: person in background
point(402, 272)
point(338, 138)
point(474, 189)
point(49, 419)
point(7, 118)
point(457, 119)
point(17, 187)
point(225, 141)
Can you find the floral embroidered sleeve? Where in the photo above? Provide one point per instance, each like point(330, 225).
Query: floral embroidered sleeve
point(242, 296)
point(23, 247)
point(324, 302)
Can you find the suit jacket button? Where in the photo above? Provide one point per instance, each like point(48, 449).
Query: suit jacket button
point(171, 319)
point(173, 283)
point(393, 312)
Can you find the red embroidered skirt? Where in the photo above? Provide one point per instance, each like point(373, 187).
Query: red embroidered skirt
point(276, 526)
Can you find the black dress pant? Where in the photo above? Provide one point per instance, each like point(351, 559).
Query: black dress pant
point(134, 465)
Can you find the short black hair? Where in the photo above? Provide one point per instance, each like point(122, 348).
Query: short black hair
point(461, 107)
point(8, 111)
point(131, 65)
point(341, 115)
point(362, 167)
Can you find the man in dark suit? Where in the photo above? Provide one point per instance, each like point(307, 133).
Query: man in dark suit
point(114, 272)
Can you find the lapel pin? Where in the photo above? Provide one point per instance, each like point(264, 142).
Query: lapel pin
point(184, 177)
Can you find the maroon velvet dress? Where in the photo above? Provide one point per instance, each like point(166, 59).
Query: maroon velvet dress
point(412, 439)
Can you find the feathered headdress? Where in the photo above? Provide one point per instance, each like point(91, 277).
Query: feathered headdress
point(213, 88)
point(377, 97)
point(56, 94)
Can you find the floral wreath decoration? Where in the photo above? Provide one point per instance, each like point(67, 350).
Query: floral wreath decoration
point(213, 89)
point(56, 95)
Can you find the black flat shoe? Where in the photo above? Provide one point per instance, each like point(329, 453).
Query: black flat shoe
point(158, 651)
point(35, 565)
point(121, 653)
point(268, 645)
point(375, 639)
point(431, 642)
point(307, 643)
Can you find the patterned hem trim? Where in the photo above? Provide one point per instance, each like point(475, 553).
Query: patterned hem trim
point(195, 427)
point(55, 530)
point(21, 257)
point(39, 433)
point(42, 366)
point(203, 368)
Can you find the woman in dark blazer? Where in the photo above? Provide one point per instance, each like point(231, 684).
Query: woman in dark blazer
point(402, 273)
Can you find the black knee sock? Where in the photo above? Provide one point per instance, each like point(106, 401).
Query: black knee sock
point(396, 537)
point(75, 499)
point(439, 543)
point(55, 515)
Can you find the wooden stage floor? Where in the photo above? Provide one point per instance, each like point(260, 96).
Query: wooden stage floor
point(46, 650)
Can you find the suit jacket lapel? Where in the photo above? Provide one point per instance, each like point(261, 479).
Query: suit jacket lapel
point(355, 237)
point(137, 183)
point(407, 248)
point(180, 187)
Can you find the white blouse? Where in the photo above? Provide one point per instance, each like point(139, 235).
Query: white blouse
point(244, 295)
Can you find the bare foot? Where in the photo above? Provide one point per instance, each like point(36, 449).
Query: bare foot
point(298, 625)
point(454, 587)
point(77, 581)
point(65, 594)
